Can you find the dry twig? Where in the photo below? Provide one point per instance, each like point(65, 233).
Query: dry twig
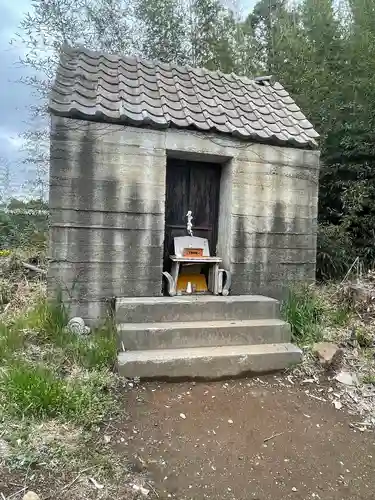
point(272, 437)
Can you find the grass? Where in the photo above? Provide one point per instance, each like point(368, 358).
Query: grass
point(310, 310)
point(39, 392)
point(369, 379)
point(303, 310)
point(48, 372)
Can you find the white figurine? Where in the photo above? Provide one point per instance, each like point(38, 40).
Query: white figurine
point(189, 223)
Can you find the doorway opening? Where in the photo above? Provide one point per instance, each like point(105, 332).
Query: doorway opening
point(194, 186)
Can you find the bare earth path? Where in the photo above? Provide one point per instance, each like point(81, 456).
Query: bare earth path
point(211, 441)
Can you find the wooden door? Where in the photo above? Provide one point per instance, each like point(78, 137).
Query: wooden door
point(191, 186)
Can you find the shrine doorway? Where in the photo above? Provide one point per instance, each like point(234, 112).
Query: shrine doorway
point(194, 186)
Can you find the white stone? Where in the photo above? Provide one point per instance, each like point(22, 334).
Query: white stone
point(30, 495)
point(338, 405)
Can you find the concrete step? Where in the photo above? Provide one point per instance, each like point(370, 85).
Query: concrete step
point(143, 336)
point(195, 308)
point(208, 362)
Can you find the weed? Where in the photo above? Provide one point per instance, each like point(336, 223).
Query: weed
point(11, 339)
point(364, 338)
point(303, 310)
point(339, 316)
point(38, 392)
point(41, 355)
point(369, 378)
point(96, 351)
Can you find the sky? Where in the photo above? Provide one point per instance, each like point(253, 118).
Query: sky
point(16, 97)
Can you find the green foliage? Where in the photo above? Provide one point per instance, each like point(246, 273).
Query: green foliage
point(340, 315)
point(304, 311)
point(369, 378)
point(364, 338)
point(37, 391)
point(97, 351)
point(335, 253)
point(44, 386)
point(23, 224)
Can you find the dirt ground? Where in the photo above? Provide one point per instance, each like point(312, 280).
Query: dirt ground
point(246, 439)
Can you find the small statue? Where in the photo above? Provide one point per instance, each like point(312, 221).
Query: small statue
point(189, 223)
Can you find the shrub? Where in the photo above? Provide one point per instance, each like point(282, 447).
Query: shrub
point(335, 252)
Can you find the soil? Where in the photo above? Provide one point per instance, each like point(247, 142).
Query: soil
point(255, 439)
point(246, 439)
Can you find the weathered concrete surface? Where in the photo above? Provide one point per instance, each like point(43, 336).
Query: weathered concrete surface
point(208, 362)
point(145, 336)
point(107, 221)
point(199, 308)
point(107, 199)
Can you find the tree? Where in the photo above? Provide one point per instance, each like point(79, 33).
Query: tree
point(98, 24)
point(162, 30)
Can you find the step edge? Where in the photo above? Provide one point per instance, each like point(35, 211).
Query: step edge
point(210, 352)
point(199, 299)
point(188, 325)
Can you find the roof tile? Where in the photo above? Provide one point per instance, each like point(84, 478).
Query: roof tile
point(124, 89)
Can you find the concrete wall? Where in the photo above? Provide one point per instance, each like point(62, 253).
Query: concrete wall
point(107, 195)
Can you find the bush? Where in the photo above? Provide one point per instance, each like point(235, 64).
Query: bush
point(303, 310)
point(335, 253)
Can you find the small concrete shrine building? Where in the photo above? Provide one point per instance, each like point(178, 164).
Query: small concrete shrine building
point(180, 198)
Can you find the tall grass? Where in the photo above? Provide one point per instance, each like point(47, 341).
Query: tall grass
point(304, 310)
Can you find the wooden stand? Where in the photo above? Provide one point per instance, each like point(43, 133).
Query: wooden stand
point(213, 275)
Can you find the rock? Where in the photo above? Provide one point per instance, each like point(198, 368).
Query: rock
point(30, 495)
point(337, 404)
point(141, 489)
point(183, 416)
point(329, 354)
point(346, 378)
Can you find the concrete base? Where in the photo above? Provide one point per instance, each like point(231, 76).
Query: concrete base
point(205, 337)
point(195, 308)
point(208, 362)
point(143, 336)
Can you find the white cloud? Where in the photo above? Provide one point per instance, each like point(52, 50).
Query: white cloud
point(11, 138)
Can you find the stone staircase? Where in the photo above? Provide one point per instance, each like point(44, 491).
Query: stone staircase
point(206, 337)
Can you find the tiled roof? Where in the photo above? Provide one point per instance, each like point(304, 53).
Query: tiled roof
point(117, 89)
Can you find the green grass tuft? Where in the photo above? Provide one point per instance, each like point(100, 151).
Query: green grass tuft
point(369, 379)
point(37, 391)
point(49, 372)
point(304, 310)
